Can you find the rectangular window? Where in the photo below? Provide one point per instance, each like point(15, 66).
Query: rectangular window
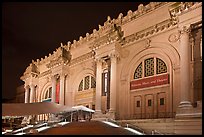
point(161, 101)
point(149, 103)
point(138, 103)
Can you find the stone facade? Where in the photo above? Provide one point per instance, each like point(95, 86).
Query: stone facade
point(147, 64)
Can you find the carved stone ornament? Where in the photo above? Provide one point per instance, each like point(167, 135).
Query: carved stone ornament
point(174, 37)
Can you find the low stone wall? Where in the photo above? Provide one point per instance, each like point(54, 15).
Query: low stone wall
point(188, 126)
point(170, 126)
point(164, 126)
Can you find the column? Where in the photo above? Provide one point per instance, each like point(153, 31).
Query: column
point(61, 99)
point(113, 79)
point(53, 88)
point(98, 85)
point(185, 68)
point(26, 94)
point(32, 93)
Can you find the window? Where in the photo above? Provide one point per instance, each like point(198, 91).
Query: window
point(93, 82)
point(86, 86)
point(138, 72)
point(161, 66)
point(138, 103)
point(48, 93)
point(161, 101)
point(149, 68)
point(87, 83)
point(149, 103)
point(81, 86)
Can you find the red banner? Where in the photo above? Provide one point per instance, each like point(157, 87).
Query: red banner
point(57, 92)
point(149, 82)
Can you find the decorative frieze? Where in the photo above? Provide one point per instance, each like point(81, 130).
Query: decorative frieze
point(45, 73)
point(148, 32)
point(115, 33)
point(81, 58)
point(63, 57)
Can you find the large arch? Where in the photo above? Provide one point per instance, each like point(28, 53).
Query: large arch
point(43, 91)
point(164, 51)
point(79, 76)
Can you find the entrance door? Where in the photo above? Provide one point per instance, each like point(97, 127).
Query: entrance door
point(149, 106)
point(161, 107)
point(138, 107)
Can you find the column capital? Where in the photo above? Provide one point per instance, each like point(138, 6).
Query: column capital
point(32, 85)
point(185, 29)
point(99, 60)
point(26, 87)
point(54, 77)
point(114, 56)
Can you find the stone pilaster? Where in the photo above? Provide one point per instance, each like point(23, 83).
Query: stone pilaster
point(113, 79)
point(98, 85)
point(26, 94)
point(32, 93)
point(53, 88)
point(62, 92)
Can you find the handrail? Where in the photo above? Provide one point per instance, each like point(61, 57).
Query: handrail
point(155, 132)
point(126, 125)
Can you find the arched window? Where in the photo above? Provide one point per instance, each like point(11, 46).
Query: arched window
point(138, 71)
point(161, 66)
point(48, 93)
point(81, 85)
point(87, 83)
point(149, 68)
point(93, 82)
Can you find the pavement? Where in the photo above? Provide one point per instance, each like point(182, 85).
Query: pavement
point(85, 128)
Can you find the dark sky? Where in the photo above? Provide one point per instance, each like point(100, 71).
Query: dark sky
point(32, 30)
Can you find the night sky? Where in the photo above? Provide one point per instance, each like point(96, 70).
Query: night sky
point(32, 30)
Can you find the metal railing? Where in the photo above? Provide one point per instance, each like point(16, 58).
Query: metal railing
point(128, 125)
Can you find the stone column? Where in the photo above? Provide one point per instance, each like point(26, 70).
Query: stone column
point(113, 85)
point(61, 99)
point(26, 94)
point(185, 69)
point(53, 88)
point(32, 93)
point(98, 85)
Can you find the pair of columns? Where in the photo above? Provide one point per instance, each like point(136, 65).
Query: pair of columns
point(113, 74)
point(62, 89)
point(30, 92)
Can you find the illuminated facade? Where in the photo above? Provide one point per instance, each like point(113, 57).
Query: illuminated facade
point(147, 64)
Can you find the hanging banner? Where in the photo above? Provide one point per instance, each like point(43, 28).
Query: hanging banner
point(57, 92)
point(149, 82)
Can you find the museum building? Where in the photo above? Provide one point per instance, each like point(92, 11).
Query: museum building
point(144, 65)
